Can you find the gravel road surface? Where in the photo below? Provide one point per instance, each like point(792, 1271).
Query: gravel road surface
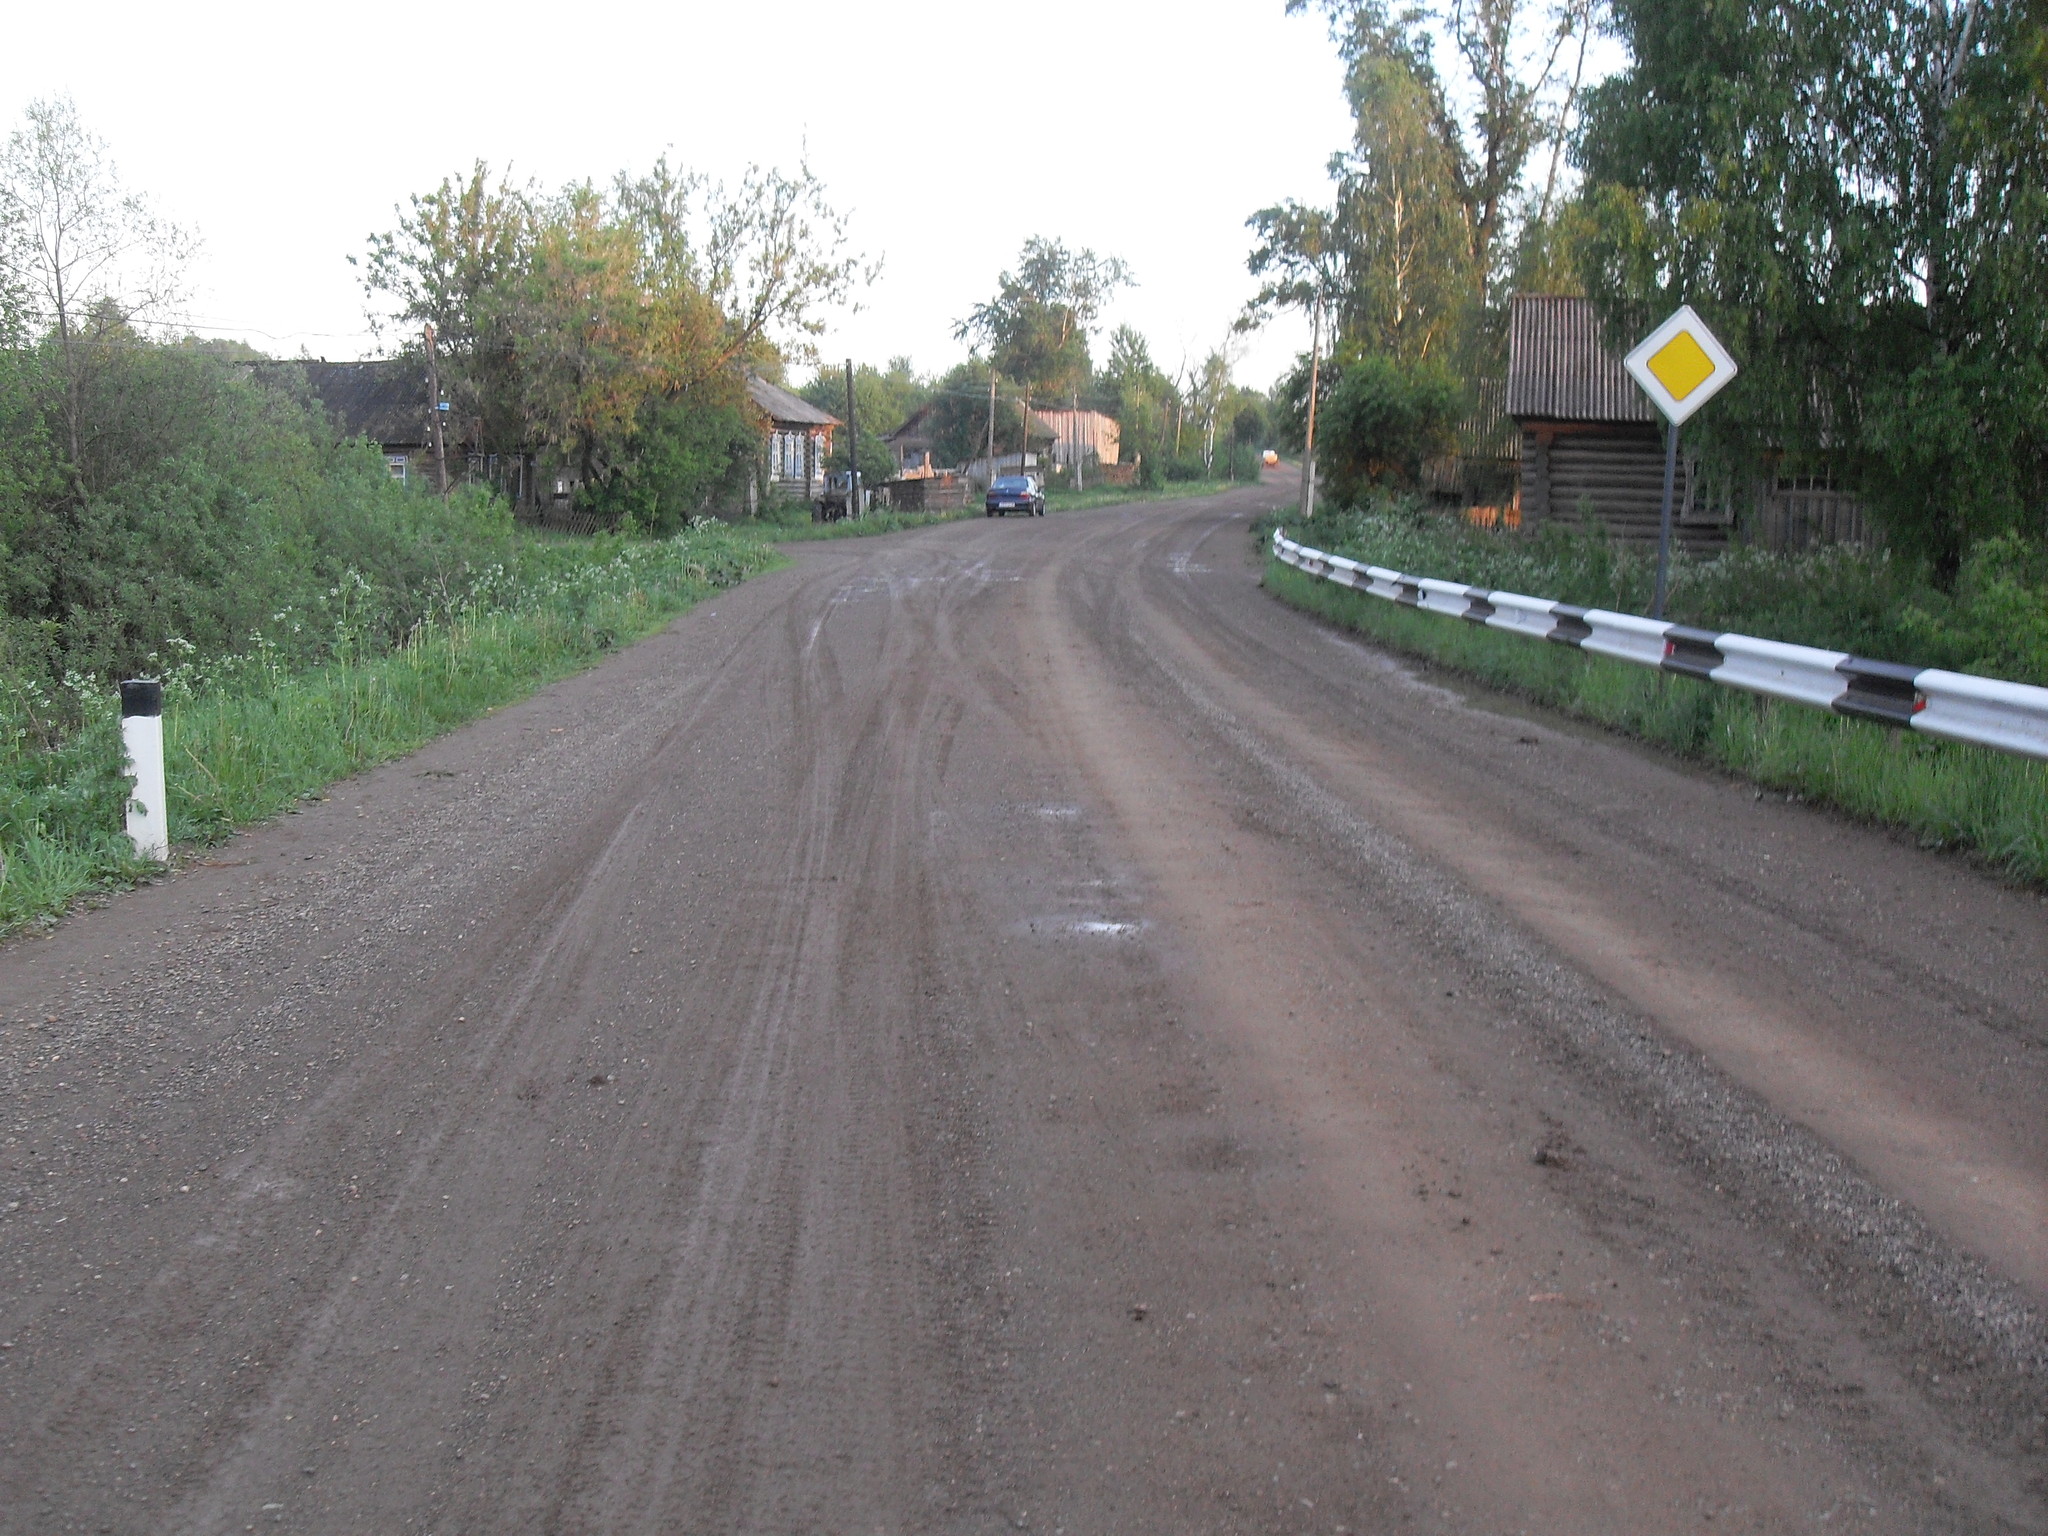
point(1006, 1027)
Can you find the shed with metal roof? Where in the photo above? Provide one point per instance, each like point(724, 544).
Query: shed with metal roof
point(1592, 444)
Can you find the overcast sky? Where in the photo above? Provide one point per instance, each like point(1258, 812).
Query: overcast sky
point(1141, 128)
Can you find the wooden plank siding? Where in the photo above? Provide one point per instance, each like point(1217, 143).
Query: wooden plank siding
point(1797, 514)
point(1615, 477)
point(1591, 444)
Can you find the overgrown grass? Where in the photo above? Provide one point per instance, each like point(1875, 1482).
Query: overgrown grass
point(1993, 620)
point(1119, 495)
point(1948, 794)
point(801, 528)
point(248, 735)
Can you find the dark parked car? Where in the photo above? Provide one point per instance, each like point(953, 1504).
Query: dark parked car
point(1016, 493)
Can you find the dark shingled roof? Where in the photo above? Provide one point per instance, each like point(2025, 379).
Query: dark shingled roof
point(785, 409)
point(1559, 370)
point(383, 401)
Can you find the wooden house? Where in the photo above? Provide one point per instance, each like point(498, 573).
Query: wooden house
point(799, 439)
point(913, 443)
point(387, 401)
point(1592, 445)
point(384, 401)
point(1084, 437)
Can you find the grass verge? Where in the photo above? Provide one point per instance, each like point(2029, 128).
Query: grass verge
point(1120, 495)
point(802, 529)
point(1948, 794)
point(253, 737)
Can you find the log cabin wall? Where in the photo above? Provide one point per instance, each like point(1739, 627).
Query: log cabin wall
point(1591, 444)
point(1613, 475)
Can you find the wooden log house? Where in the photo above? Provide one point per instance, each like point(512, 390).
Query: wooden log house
point(1592, 445)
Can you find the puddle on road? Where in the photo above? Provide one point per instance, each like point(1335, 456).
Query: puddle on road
point(1082, 927)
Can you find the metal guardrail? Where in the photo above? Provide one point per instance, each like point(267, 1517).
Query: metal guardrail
point(2009, 717)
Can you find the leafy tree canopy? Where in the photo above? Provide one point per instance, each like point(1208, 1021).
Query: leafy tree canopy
point(83, 259)
point(578, 322)
point(1383, 419)
point(1855, 192)
point(1036, 327)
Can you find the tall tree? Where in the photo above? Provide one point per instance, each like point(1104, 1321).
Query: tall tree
point(1306, 257)
point(457, 261)
point(572, 321)
point(1396, 198)
point(91, 257)
point(1511, 84)
point(1134, 389)
point(1036, 327)
point(1856, 191)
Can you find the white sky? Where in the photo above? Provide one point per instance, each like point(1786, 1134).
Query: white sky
point(1149, 130)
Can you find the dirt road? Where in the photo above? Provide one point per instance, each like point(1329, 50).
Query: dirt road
point(1006, 1027)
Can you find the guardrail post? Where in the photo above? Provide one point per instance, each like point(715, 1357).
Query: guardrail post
point(142, 738)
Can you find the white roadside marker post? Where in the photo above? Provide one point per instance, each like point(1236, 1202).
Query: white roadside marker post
point(142, 738)
point(1681, 365)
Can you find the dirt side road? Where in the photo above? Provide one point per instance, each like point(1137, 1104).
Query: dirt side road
point(1005, 1027)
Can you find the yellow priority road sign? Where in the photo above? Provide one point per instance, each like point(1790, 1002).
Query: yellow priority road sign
point(1681, 365)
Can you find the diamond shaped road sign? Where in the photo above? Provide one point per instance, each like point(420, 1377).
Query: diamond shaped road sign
point(1681, 365)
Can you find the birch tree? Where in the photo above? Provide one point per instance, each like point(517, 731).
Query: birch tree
point(89, 258)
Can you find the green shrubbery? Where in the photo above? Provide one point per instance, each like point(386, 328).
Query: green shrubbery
point(250, 731)
point(1382, 419)
point(308, 614)
point(210, 508)
point(1993, 620)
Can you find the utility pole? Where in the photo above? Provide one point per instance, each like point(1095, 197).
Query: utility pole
point(434, 390)
point(991, 426)
point(1024, 453)
point(1074, 435)
point(852, 447)
point(1308, 472)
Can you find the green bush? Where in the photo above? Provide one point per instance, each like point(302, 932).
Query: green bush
point(1993, 622)
point(688, 457)
point(207, 508)
point(1383, 418)
point(308, 614)
point(248, 733)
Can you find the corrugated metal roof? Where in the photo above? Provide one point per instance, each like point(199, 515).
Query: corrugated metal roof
point(1489, 432)
point(1559, 370)
point(786, 409)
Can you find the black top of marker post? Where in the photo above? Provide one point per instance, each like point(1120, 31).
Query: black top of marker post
point(143, 696)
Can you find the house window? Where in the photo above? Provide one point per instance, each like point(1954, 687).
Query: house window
point(397, 464)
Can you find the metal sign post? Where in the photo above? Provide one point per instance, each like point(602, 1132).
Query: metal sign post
point(1681, 365)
